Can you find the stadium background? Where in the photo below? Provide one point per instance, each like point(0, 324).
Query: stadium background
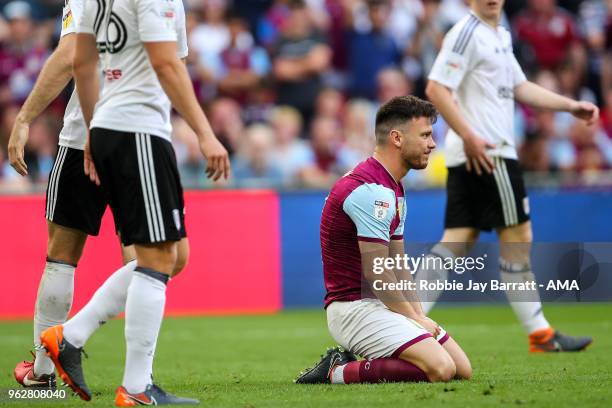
point(291, 138)
point(254, 240)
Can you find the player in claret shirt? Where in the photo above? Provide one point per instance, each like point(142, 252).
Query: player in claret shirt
point(363, 220)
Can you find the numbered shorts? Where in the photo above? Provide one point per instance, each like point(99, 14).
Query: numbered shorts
point(368, 328)
point(487, 201)
point(73, 201)
point(140, 178)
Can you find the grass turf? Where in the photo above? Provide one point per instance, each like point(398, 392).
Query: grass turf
point(250, 361)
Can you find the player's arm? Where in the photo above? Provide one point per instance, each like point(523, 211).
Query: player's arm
point(539, 97)
point(396, 248)
point(449, 69)
point(87, 81)
point(175, 81)
point(53, 78)
point(395, 300)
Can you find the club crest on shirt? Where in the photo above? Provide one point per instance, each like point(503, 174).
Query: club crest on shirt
point(381, 208)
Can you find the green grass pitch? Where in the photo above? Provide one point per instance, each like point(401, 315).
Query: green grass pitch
point(250, 361)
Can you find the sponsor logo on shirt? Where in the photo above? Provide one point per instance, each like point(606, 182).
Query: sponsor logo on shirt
point(381, 208)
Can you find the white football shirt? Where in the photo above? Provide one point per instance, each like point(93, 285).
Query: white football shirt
point(132, 99)
point(73, 133)
point(477, 62)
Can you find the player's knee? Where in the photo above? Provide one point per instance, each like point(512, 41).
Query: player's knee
point(182, 256)
point(442, 371)
point(463, 370)
point(65, 246)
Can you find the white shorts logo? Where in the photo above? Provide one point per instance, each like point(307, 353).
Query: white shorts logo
point(177, 219)
point(526, 205)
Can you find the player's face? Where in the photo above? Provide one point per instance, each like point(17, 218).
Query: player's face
point(417, 143)
point(489, 9)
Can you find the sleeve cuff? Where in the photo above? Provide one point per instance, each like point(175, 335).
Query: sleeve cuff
point(376, 240)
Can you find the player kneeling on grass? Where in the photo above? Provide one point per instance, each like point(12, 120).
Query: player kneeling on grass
point(363, 220)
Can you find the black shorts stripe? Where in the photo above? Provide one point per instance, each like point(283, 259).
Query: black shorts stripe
point(465, 35)
point(54, 181)
point(148, 181)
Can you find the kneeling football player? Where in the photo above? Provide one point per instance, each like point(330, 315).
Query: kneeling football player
point(362, 223)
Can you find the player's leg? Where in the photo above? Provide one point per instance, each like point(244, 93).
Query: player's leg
point(455, 242)
point(461, 360)
point(460, 231)
point(390, 342)
point(74, 207)
point(515, 266)
point(55, 291)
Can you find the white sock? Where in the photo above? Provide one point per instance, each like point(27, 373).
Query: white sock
point(106, 303)
point(53, 303)
point(144, 311)
point(430, 297)
point(337, 376)
point(527, 307)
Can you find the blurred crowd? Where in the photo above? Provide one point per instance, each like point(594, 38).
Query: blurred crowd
point(291, 87)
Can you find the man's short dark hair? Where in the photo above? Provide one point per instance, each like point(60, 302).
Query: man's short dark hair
point(400, 110)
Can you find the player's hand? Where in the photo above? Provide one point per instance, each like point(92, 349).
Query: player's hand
point(585, 111)
point(476, 152)
point(88, 164)
point(16, 146)
point(217, 158)
point(429, 325)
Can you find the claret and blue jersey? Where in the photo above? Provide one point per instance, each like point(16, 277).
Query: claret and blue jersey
point(367, 204)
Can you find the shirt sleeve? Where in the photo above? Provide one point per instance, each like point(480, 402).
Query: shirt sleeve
point(87, 19)
point(456, 58)
point(181, 31)
point(157, 20)
point(371, 207)
point(69, 24)
point(399, 231)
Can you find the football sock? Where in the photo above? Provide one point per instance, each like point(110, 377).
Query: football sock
point(144, 312)
point(377, 370)
point(53, 303)
point(106, 303)
point(526, 305)
point(431, 274)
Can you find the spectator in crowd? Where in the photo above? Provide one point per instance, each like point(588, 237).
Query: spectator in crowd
point(300, 59)
point(391, 82)
point(358, 128)
point(370, 50)
point(252, 165)
point(226, 122)
point(21, 59)
point(331, 157)
point(330, 104)
point(243, 65)
point(549, 34)
point(427, 39)
point(290, 153)
point(606, 114)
